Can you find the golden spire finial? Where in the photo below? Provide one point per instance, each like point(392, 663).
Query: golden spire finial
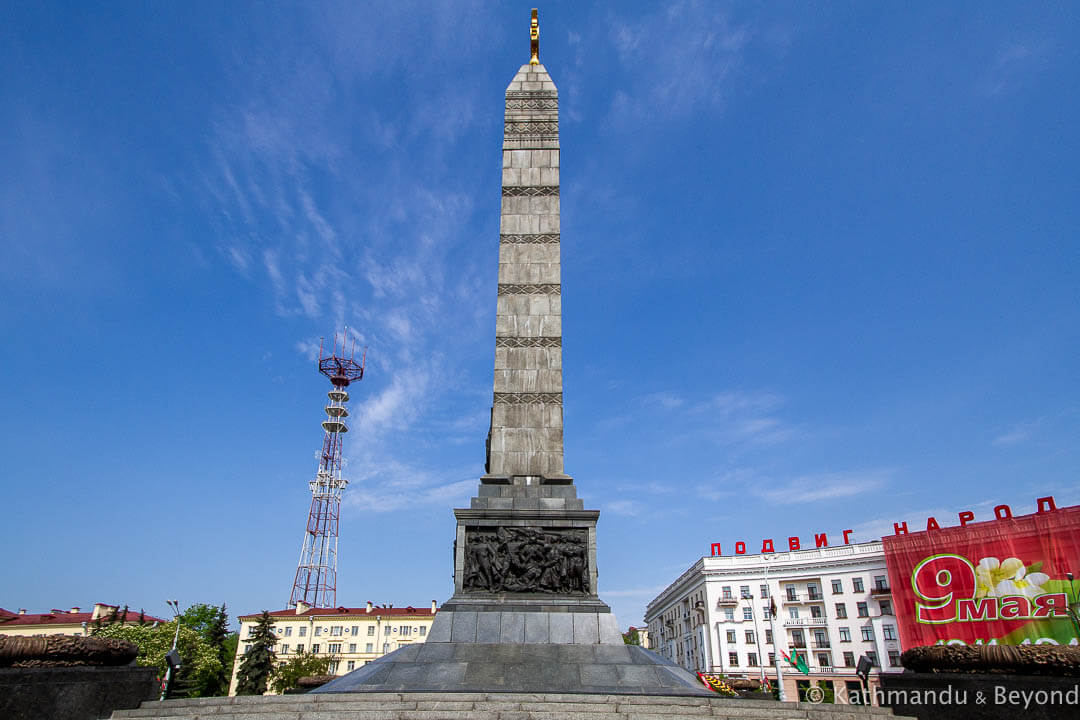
point(534, 40)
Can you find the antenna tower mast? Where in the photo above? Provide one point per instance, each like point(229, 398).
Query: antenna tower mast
point(316, 574)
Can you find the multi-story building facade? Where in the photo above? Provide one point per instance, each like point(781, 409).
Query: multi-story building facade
point(352, 636)
point(833, 606)
point(66, 622)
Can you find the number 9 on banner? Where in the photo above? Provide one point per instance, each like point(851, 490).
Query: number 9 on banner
point(939, 581)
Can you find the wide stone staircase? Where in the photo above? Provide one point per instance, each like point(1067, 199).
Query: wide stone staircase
point(491, 706)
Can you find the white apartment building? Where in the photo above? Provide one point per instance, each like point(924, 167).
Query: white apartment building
point(353, 637)
point(833, 605)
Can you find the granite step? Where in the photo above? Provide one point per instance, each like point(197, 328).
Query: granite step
point(490, 706)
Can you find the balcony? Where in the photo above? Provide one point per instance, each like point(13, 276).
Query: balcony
point(880, 590)
point(790, 598)
point(727, 600)
point(822, 645)
point(806, 622)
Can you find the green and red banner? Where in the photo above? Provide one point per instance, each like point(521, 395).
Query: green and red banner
point(1003, 581)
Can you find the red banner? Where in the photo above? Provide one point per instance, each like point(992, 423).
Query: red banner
point(1004, 581)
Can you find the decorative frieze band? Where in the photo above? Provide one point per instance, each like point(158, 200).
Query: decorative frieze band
point(530, 289)
point(532, 95)
point(530, 238)
point(532, 191)
point(525, 342)
point(531, 127)
point(532, 103)
point(550, 398)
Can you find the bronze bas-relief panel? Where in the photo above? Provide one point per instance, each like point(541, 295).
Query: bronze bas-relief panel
point(527, 560)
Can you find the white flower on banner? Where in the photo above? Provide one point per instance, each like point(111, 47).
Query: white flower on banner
point(999, 578)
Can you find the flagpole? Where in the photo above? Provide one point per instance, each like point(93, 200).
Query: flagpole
point(775, 637)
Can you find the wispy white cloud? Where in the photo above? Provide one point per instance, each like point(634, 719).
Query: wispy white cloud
point(1016, 62)
point(628, 508)
point(1019, 433)
point(822, 486)
point(683, 54)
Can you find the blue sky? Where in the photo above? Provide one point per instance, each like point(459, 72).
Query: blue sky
point(820, 269)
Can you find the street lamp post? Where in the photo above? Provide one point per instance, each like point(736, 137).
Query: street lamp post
point(171, 657)
point(775, 638)
point(757, 636)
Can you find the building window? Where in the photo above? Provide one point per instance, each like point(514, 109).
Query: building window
point(334, 648)
point(335, 631)
point(300, 647)
point(406, 629)
point(849, 659)
point(370, 647)
point(837, 587)
point(747, 613)
point(823, 660)
point(251, 631)
point(315, 648)
point(813, 592)
point(285, 649)
point(888, 632)
point(880, 582)
point(729, 614)
point(288, 632)
point(749, 637)
point(845, 634)
point(725, 592)
point(370, 630)
point(772, 658)
point(768, 637)
point(751, 659)
point(386, 630)
point(731, 636)
point(868, 634)
point(791, 595)
point(355, 630)
point(385, 648)
point(350, 665)
point(766, 613)
point(303, 630)
point(821, 639)
point(352, 647)
point(861, 610)
point(733, 659)
point(816, 611)
point(872, 656)
point(894, 658)
point(744, 591)
point(793, 613)
point(333, 667)
point(798, 639)
point(886, 607)
point(841, 611)
point(856, 584)
point(423, 630)
point(318, 630)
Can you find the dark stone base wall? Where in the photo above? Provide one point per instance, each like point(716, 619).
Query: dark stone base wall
point(73, 693)
point(956, 696)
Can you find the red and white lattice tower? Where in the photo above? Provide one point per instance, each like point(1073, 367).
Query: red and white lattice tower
point(316, 575)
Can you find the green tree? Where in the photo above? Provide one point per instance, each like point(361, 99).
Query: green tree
point(287, 674)
point(202, 618)
point(200, 662)
point(631, 637)
point(212, 624)
point(259, 660)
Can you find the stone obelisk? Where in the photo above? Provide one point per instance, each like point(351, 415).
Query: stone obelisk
point(525, 614)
